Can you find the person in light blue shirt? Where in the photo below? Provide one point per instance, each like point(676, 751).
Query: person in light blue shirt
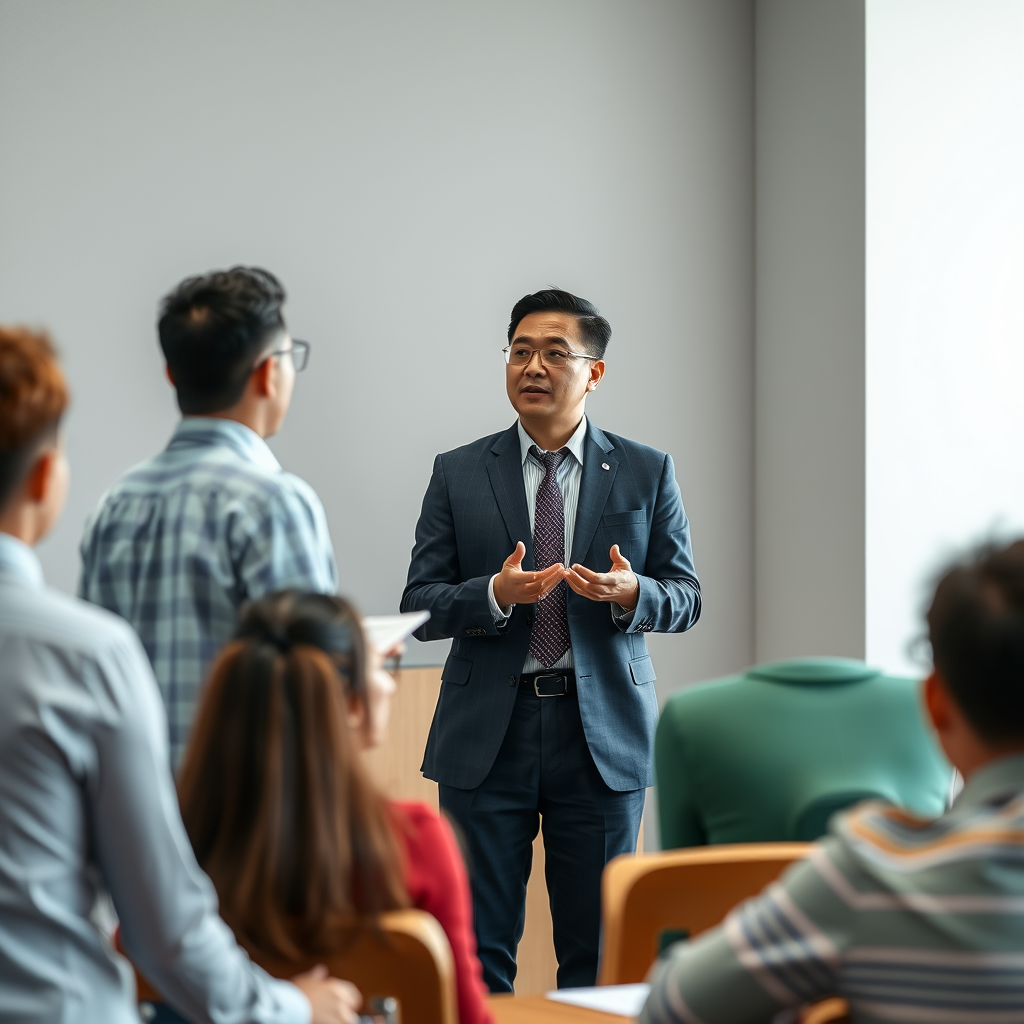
point(87, 804)
point(182, 540)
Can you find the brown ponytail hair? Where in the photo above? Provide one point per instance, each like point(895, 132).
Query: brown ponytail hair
point(273, 792)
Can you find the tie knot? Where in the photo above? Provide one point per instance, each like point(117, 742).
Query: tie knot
point(549, 460)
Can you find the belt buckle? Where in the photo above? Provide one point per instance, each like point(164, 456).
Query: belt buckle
point(550, 675)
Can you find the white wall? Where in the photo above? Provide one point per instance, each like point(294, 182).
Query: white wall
point(945, 280)
point(409, 170)
point(810, 328)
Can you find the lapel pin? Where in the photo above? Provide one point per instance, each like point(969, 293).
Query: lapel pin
point(604, 465)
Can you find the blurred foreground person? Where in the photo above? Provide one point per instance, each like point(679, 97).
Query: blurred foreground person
point(769, 755)
point(279, 806)
point(86, 798)
point(182, 540)
point(909, 918)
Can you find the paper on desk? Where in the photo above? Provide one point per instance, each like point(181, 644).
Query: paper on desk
point(384, 631)
point(623, 1000)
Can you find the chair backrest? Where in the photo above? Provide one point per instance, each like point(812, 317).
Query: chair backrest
point(678, 891)
point(407, 957)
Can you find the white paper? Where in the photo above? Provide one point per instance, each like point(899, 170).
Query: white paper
point(384, 631)
point(622, 1000)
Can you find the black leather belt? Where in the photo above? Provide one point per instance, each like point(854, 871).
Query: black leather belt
point(550, 684)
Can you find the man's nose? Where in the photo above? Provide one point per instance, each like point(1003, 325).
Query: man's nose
point(536, 364)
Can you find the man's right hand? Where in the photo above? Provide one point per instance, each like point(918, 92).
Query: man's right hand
point(513, 586)
point(333, 1001)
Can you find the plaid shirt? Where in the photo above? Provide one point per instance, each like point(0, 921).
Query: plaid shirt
point(182, 540)
point(910, 919)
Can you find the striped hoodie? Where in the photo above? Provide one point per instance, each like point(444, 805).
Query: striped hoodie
point(910, 919)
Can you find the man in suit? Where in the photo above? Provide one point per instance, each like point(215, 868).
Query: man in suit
point(546, 552)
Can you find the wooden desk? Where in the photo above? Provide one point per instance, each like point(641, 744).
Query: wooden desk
point(540, 1010)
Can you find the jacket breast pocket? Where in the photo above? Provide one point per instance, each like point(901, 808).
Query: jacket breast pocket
point(456, 670)
point(616, 520)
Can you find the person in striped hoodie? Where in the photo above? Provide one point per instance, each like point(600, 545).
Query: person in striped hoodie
point(908, 918)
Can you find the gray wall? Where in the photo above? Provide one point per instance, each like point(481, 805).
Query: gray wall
point(809, 446)
point(409, 170)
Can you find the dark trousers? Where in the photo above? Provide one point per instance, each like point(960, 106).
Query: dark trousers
point(543, 773)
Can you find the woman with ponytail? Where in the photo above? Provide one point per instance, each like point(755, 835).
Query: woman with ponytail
point(280, 809)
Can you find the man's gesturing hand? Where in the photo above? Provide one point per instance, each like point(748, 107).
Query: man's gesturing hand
point(513, 586)
point(619, 584)
point(332, 1001)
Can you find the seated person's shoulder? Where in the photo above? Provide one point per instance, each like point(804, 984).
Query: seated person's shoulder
point(415, 816)
point(53, 617)
point(424, 830)
point(685, 707)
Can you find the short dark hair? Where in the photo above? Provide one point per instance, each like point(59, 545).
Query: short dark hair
point(33, 397)
point(594, 329)
point(212, 330)
point(976, 628)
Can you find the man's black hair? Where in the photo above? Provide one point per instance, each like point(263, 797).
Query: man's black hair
point(212, 330)
point(594, 329)
point(976, 628)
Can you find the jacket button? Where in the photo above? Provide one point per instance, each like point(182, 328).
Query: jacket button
point(511, 680)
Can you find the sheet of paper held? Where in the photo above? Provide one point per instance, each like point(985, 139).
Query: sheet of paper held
point(623, 1000)
point(384, 631)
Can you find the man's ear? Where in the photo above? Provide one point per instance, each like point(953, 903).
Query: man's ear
point(170, 376)
point(596, 373)
point(937, 702)
point(40, 476)
point(262, 378)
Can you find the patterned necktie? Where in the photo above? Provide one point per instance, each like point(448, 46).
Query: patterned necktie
point(550, 637)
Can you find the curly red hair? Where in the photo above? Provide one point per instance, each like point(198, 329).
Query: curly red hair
point(33, 397)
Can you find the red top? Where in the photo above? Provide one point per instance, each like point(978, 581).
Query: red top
point(437, 882)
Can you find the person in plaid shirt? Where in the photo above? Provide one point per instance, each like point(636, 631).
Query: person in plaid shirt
point(182, 540)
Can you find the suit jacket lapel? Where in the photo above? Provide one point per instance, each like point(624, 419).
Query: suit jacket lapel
point(595, 486)
point(506, 475)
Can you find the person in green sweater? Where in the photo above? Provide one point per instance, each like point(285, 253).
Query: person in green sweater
point(769, 755)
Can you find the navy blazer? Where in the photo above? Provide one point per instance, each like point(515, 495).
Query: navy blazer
point(473, 514)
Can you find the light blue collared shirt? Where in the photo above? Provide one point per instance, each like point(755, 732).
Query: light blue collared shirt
point(182, 540)
point(87, 804)
point(569, 475)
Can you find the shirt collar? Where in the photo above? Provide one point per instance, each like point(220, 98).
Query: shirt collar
point(998, 779)
point(574, 444)
point(17, 559)
point(198, 430)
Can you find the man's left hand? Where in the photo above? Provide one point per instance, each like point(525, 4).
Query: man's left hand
point(618, 585)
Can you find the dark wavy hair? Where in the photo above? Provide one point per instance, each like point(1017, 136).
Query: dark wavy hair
point(976, 629)
point(274, 796)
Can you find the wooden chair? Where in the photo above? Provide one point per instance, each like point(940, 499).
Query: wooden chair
point(408, 958)
point(689, 890)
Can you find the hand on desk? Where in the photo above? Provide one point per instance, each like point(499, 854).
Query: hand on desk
point(514, 586)
point(618, 585)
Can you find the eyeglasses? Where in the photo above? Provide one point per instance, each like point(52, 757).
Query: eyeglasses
point(552, 358)
point(299, 353)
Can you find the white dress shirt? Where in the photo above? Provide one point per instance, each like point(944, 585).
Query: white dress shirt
point(569, 475)
point(87, 804)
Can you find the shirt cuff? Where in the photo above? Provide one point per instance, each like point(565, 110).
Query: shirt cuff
point(499, 615)
point(292, 1002)
point(621, 617)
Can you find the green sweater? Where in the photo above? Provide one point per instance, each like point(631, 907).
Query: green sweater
point(769, 755)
